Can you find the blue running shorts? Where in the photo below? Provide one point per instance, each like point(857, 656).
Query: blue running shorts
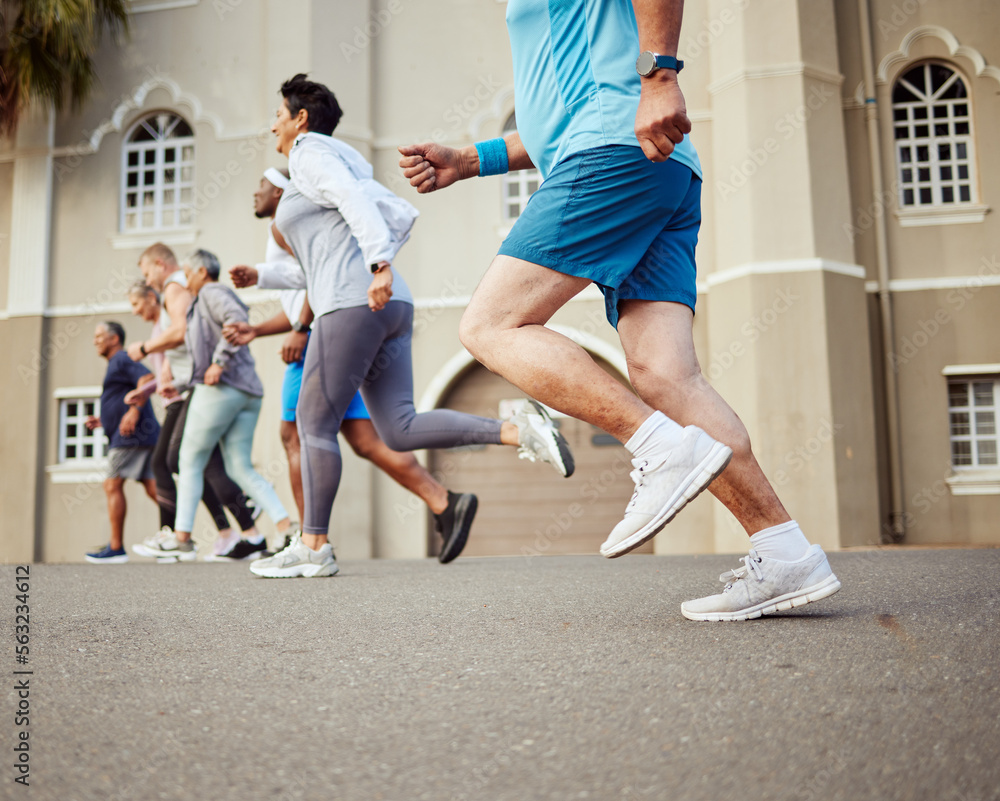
point(292, 385)
point(626, 223)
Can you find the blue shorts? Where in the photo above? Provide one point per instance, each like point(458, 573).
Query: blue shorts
point(626, 223)
point(292, 385)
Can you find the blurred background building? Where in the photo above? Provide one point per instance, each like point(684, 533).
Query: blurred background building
point(849, 262)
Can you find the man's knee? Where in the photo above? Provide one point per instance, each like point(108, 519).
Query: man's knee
point(114, 486)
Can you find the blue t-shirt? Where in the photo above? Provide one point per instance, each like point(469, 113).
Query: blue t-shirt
point(575, 84)
point(120, 379)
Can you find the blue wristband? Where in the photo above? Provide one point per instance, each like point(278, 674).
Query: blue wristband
point(492, 157)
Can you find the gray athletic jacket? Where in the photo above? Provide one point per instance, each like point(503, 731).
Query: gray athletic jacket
point(214, 306)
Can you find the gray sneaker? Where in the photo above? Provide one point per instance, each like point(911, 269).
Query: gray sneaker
point(297, 560)
point(539, 439)
point(764, 586)
point(165, 547)
point(663, 486)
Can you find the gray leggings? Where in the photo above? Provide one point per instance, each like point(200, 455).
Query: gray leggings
point(358, 348)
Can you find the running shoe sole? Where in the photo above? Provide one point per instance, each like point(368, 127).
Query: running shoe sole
point(566, 465)
point(465, 513)
point(698, 480)
point(107, 560)
point(182, 556)
point(297, 571)
point(216, 557)
point(782, 603)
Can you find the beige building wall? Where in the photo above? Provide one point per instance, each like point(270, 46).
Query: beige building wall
point(785, 328)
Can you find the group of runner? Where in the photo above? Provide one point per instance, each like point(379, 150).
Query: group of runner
point(602, 117)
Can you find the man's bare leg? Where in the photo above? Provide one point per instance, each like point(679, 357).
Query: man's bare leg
point(403, 468)
point(503, 327)
point(293, 451)
point(114, 488)
point(664, 370)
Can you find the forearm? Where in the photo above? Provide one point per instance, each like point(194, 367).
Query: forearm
point(659, 23)
point(278, 324)
point(517, 157)
point(173, 337)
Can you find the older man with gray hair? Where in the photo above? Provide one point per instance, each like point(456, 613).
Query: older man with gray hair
point(223, 409)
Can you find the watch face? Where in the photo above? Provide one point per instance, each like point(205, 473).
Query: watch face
point(646, 63)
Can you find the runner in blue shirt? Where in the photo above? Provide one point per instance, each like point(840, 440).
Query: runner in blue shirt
point(601, 114)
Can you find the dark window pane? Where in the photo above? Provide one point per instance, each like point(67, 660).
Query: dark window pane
point(71, 409)
point(902, 133)
point(921, 131)
point(907, 176)
point(907, 197)
point(961, 454)
point(946, 173)
point(183, 129)
point(150, 157)
point(170, 155)
point(925, 196)
point(940, 111)
point(960, 424)
point(149, 177)
point(71, 451)
point(924, 174)
point(956, 90)
point(944, 152)
point(964, 194)
point(919, 112)
point(88, 409)
point(958, 395)
point(947, 194)
point(88, 451)
point(899, 115)
point(905, 154)
point(963, 172)
point(939, 75)
point(941, 130)
point(923, 153)
point(903, 95)
point(133, 159)
point(168, 176)
point(132, 180)
point(961, 129)
point(70, 431)
point(961, 110)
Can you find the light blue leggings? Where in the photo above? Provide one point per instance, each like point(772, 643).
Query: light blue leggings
point(228, 416)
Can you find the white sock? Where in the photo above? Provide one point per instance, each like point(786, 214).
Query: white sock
point(657, 433)
point(786, 542)
point(256, 538)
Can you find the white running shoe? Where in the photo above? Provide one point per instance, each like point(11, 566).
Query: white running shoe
point(764, 586)
point(539, 439)
point(297, 560)
point(165, 547)
point(663, 486)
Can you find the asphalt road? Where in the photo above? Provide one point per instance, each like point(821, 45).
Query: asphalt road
point(506, 680)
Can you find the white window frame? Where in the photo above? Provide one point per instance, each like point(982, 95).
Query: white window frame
point(79, 468)
point(169, 202)
point(517, 187)
point(942, 149)
point(981, 477)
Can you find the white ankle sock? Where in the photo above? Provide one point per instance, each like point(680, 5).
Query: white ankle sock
point(657, 433)
point(785, 542)
point(256, 539)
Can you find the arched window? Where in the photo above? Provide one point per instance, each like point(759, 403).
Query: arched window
point(517, 186)
point(932, 122)
point(158, 174)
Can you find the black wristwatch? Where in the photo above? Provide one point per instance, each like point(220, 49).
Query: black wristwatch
point(142, 349)
point(375, 268)
point(300, 327)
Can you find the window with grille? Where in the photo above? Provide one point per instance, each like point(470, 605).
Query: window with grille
point(158, 175)
point(518, 186)
point(76, 442)
point(932, 123)
point(972, 411)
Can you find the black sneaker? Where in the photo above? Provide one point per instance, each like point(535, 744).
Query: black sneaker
point(454, 524)
point(244, 550)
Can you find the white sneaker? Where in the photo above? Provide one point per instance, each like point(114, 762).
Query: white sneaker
point(539, 439)
point(297, 560)
point(165, 547)
point(764, 586)
point(663, 486)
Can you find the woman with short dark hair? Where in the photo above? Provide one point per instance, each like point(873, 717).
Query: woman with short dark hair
point(345, 229)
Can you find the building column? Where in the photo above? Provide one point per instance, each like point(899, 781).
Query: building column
point(788, 340)
point(24, 393)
